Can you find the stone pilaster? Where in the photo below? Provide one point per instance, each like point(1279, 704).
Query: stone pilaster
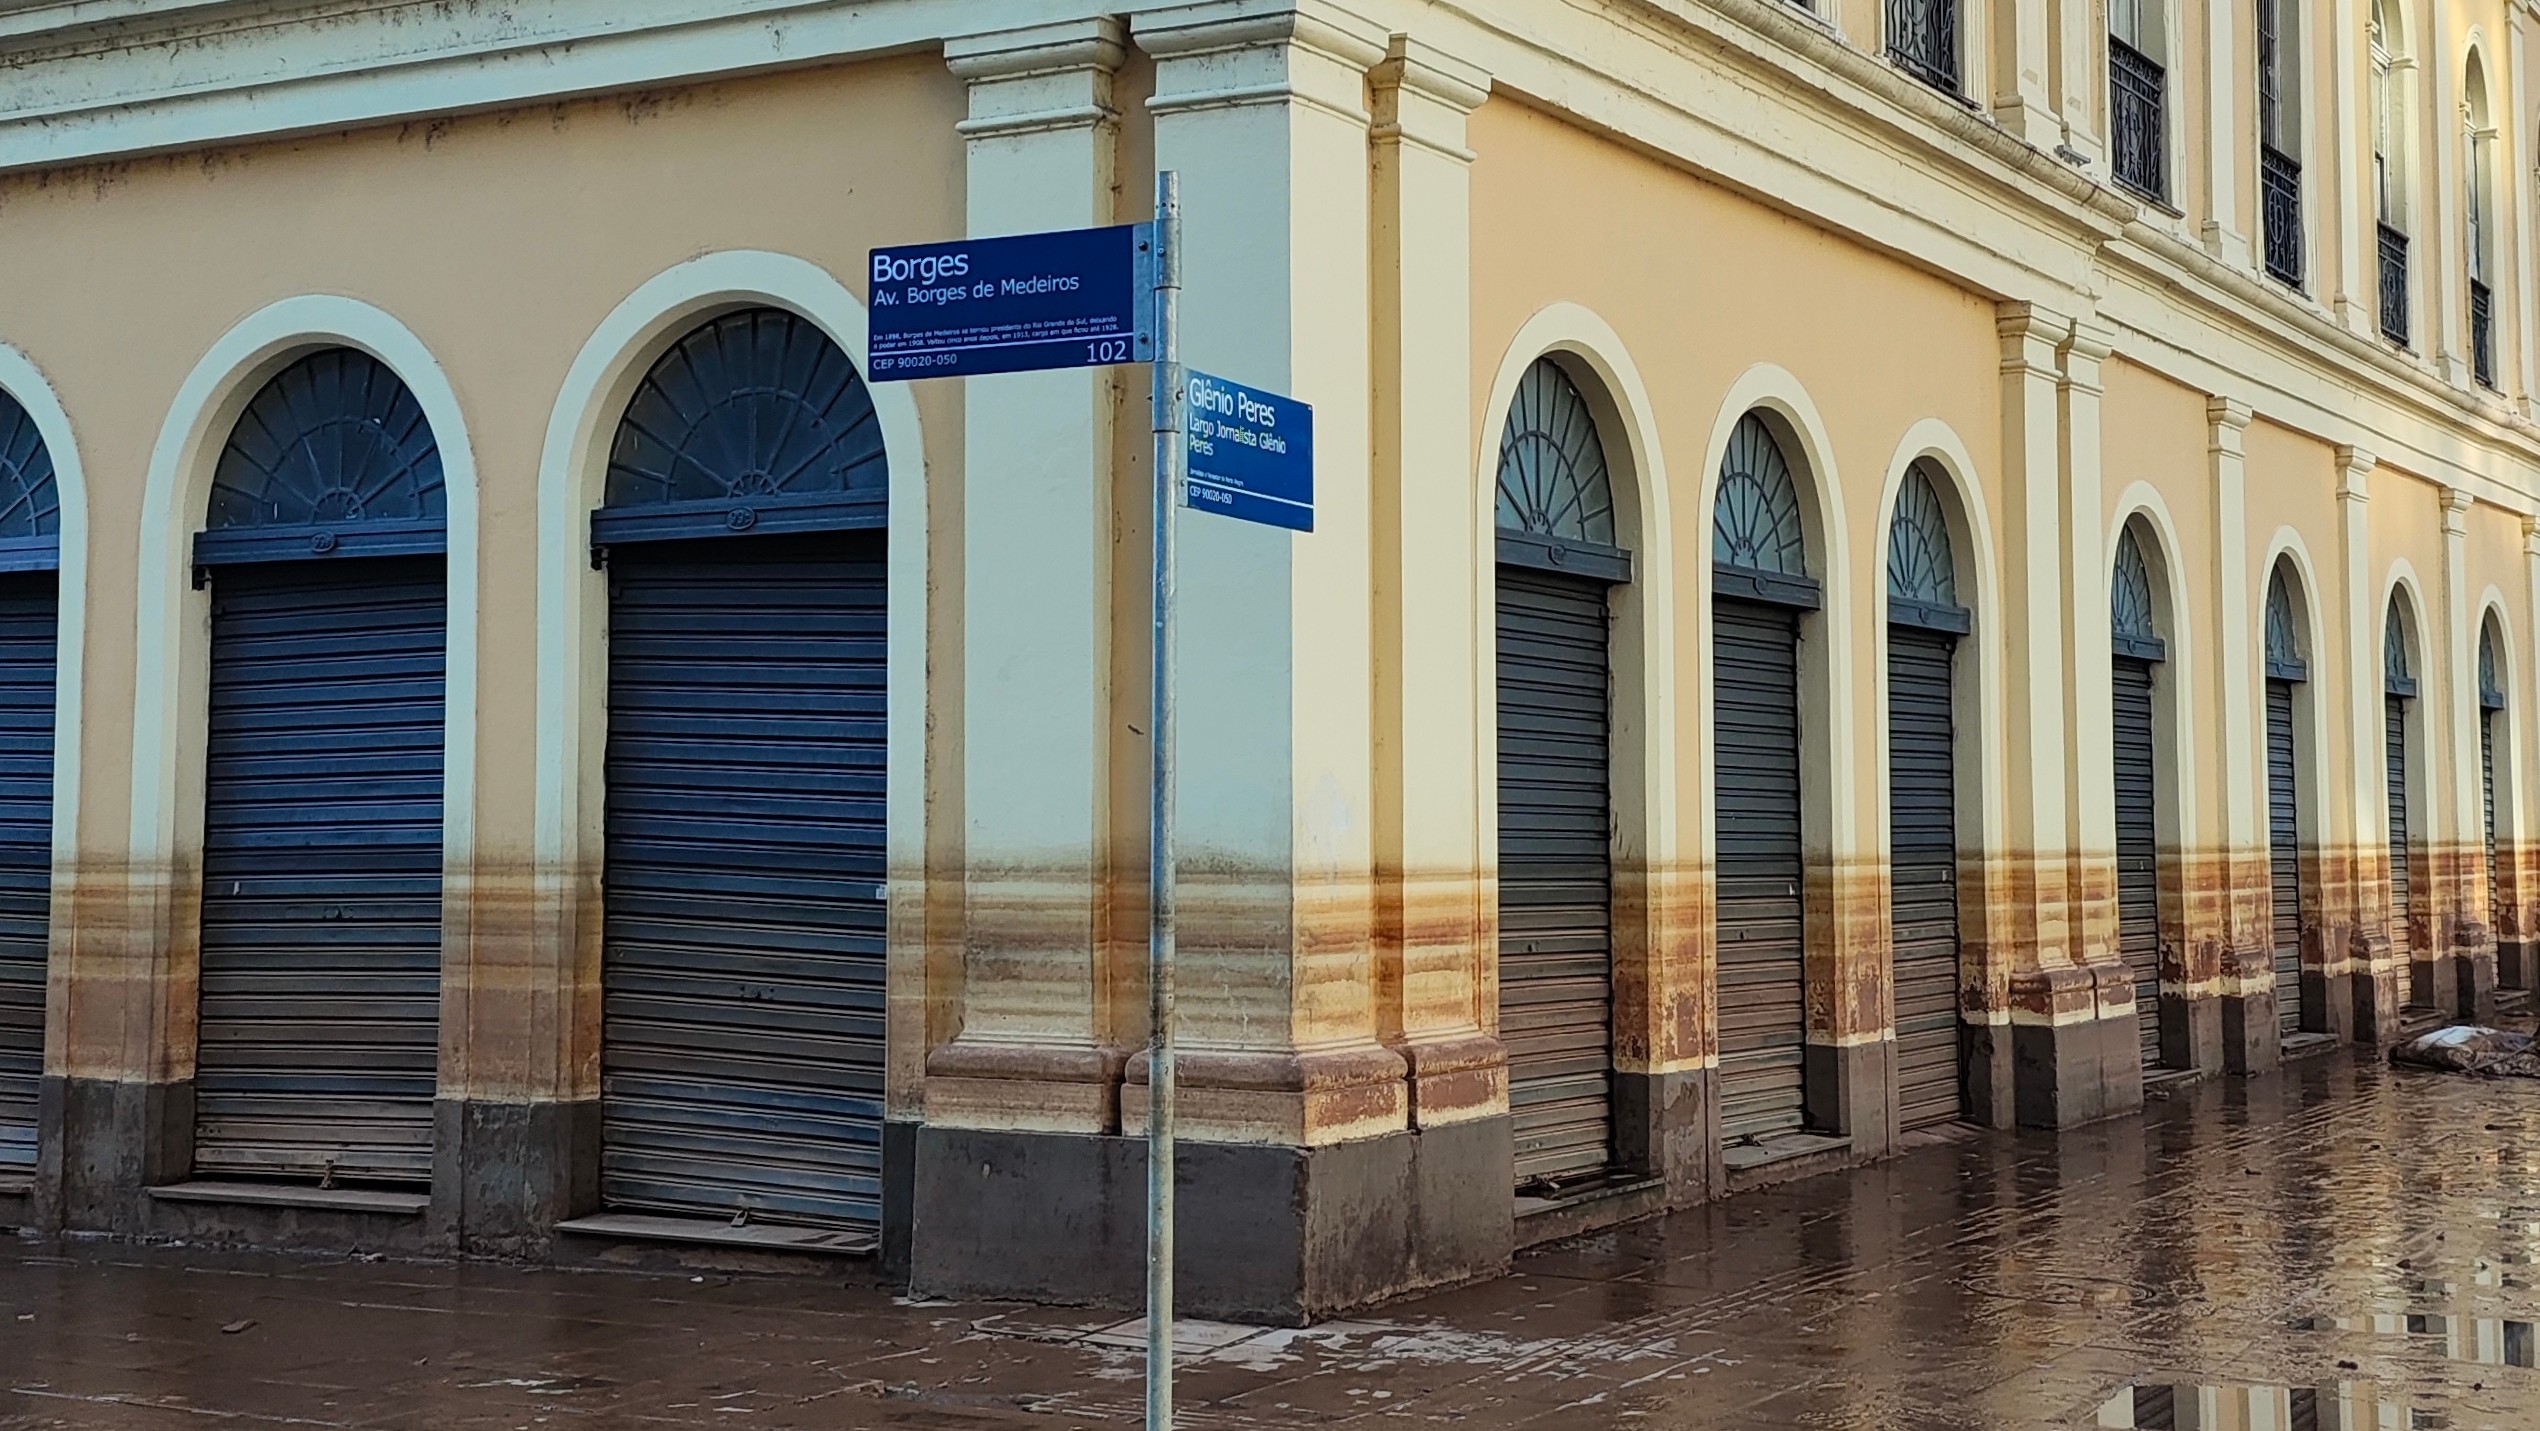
point(2363, 1002)
point(2071, 1006)
point(2464, 944)
point(2245, 966)
point(2518, 934)
point(2018, 91)
point(2223, 134)
point(2353, 292)
point(2077, 64)
point(1035, 1050)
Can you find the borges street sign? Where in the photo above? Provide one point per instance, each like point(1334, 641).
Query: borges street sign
point(1075, 299)
point(1252, 454)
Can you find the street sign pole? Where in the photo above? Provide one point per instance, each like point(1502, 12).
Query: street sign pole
point(1171, 453)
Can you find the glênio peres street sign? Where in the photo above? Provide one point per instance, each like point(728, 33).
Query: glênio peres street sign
point(1251, 454)
point(1075, 299)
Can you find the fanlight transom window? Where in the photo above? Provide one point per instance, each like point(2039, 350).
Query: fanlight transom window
point(1553, 481)
point(335, 438)
point(30, 504)
point(2283, 633)
point(2491, 685)
point(1755, 523)
point(2398, 670)
point(1921, 566)
point(2131, 615)
point(755, 405)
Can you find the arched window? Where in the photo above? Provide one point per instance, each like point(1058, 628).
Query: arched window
point(1922, 569)
point(2280, 137)
point(754, 422)
point(2398, 666)
point(2283, 634)
point(2478, 201)
point(30, 507)
point(1755, 523)
point(332, 458)
point(2491, 683)
point(1552, 478)
point(2138, 98)
point(2133, 621)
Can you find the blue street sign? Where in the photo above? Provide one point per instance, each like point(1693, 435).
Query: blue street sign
point(1251, 454)
point(1076, 299)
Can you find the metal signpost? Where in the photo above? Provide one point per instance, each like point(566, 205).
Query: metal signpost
point(1091, 298)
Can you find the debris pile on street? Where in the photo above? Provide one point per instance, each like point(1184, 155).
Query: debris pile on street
point(2472, 1048)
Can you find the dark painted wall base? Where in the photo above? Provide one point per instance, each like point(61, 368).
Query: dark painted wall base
point(1665, 1127)
point(1264, 1234)
point(504, 1174)
point(1989, 1074)
point(114, 1140)
point(2068, 1074)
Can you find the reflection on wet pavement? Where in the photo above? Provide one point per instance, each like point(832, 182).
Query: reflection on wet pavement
point(2343, 1246)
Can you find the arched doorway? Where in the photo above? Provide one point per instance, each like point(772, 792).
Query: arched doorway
point(2398, 696)
point(1559, 558)
point(1925, 623)
point(319, 1036)
point(2138, 652)
point(1761, 594)
point(30, 553)
point(2287, 671)
point(743, 943)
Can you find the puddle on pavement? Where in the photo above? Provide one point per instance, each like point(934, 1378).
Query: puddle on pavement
point(2345, 1405)
point(2481, 1341)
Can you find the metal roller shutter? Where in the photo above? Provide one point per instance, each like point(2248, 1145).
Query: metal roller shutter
point(1762, 951)
point(2394, 737)
point(1923, 873)
point(321, 963)
point(742, 977)
point(1556, 939)
point(2487, 807)
point(27, 613)
point(2284, 856)
point(2138, 850)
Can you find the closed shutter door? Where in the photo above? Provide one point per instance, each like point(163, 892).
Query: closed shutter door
point(26, 850)
point(1763, 958)
point(1923, 865)
point(321, 964)
point(2139, 850)
point(1556, 941)
point(742, 977)
point(2487, 805)
point(2394, 734)
point(2284, 856)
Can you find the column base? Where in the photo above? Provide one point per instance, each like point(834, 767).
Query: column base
point(515, 1170)
point(1268, 1234)
point(2252, 1039)
point(105, 1141)
point(1665, 1126)
point(2075, 1054)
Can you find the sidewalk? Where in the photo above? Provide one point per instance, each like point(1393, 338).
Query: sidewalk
point(2341, 1241)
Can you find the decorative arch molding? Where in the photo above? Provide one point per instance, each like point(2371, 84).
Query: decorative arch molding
point(2141, 511)
point(2285, 645)
point(172, 641)
point(2288, 555)
point(1935, 447)
point(1598, 362)
point(573, 598)
point(2495, 652)
point(24, 381)
point(1771, 391)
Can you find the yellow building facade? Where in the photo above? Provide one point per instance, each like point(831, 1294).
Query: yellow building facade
point(1878, 567)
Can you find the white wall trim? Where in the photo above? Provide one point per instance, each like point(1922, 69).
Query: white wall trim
point(24, 381)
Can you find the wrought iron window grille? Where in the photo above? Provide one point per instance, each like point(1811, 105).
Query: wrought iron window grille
point(2137, 114)
point(2482, 334)
point(1922, 38)
point(2280, 186)
point(2394, 285)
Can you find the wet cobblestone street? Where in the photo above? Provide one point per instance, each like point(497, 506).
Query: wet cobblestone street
point(2340, 1246)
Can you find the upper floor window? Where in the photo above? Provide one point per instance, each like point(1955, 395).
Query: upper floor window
point(2138, 98)
point(2478, 202)
point(2279, 137)
point(1922, 36)
point(2389, 174)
